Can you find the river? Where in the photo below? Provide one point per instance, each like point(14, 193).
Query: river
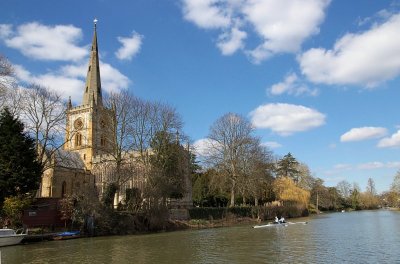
point(351, 237)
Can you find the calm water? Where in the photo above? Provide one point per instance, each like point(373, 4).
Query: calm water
point(356, 237)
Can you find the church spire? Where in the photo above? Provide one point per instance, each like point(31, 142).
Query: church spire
point(93, 83)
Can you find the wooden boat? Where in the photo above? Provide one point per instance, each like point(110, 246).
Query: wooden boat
point(10, 237)
point(67, 235)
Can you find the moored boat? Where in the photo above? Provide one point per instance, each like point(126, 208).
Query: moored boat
point(67, 235)
point(10, 237)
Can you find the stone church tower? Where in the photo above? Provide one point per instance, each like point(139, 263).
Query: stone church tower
point(87, 158)
point(87, 136)
point(89, 124)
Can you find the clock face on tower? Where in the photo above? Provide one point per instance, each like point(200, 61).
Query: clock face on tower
point(78, 123)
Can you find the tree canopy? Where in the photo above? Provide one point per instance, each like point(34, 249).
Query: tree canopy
point(168, 166)
point(20, 171)
point(288, 167)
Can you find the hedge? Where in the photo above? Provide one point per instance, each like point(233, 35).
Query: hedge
point(261, 212)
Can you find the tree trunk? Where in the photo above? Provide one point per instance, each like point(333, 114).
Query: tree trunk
point(116, 199)
point(233, 193)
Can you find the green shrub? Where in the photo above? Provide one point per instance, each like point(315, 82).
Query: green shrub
point(242, 211)
point(207, 212)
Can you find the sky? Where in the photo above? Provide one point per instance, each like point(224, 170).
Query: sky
point(316, 78)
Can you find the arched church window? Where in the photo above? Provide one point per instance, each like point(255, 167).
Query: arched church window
point(103, 140)
point(78, 140)
point(89, 68)
point(63, 189)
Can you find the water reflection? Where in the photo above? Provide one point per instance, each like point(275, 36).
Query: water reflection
point(357, 237)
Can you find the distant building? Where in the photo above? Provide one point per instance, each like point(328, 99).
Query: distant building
point(85, 161)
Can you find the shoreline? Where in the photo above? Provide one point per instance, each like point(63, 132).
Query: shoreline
point(170, 226)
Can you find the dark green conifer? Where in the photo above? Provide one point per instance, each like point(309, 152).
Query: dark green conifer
point(20, 172)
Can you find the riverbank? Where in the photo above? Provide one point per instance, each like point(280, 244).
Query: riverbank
point(203, 224)
point(124, 223)
point(171, 226)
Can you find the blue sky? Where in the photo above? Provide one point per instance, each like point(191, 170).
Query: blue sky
point(317, 78)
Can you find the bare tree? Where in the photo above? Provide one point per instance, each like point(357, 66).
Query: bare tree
point(166, 119)
point(10, 95)
point(43, 112)
point(148, 119)
point(229, 137)
point(257, 169)
point(395, 187)
point(371, 187)
point(120, 142)
point(141, 129)
point(6, 75)
point(133, 125)
point(344, 188)
point(305, 178)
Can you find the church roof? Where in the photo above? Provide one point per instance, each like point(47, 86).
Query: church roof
point(68, 159)
point(92, 90)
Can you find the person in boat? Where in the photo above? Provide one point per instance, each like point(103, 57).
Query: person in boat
point(276, 220)
point(282, 220)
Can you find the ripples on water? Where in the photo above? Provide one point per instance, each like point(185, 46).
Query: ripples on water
point(356, 237)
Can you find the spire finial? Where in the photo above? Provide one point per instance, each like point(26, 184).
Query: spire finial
point(95, 22)
point(69, 103)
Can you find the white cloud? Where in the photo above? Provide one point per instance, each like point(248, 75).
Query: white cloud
point(371, 165)
point(130, 46)
point(43, 42)
point(286, 119)
point(339, 168)
point(5, 30)
point(206, 13)
point(379, 165)
point(282, 25)
point(69, 80)
point(342, 166)
point(64, 85)
point(112, 80)
point(271, 144)
point(75, 70)
point(230, 42)
point(363, 133)
point(367, 58)
point(393, 164)
point(393, 141)
point(292, 85)
point(203, 147)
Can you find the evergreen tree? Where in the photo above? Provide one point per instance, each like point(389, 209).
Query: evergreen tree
point(288, 167)
point(168, 166)
point(20, 172)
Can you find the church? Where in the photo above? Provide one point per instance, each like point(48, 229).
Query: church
point(81, 162)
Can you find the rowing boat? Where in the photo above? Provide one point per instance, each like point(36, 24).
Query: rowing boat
point(279, 224)
point(271, 224)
